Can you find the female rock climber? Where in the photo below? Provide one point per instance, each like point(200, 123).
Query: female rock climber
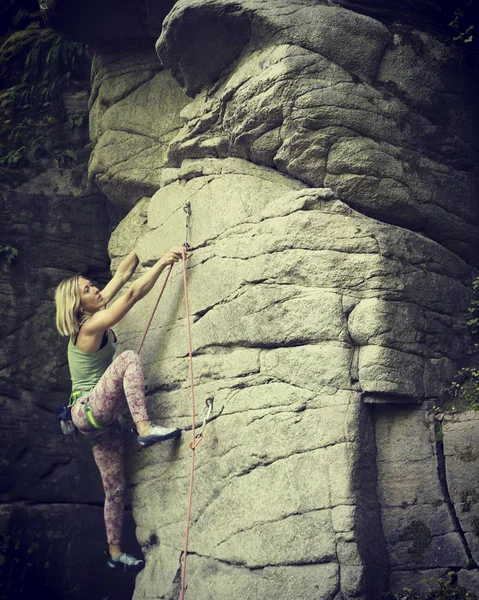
point(101, 385)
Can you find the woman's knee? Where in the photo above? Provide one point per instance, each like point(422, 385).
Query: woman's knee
point(129, 357)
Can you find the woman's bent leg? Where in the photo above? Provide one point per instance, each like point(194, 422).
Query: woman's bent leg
point(123, 378)
point(108, 455)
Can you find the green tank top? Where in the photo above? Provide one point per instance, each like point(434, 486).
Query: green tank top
point(86, 368)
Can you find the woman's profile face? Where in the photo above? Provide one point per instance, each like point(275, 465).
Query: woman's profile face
point(90, 298)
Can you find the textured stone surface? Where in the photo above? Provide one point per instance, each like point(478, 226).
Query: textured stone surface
point(427, 492)
point(334, 213)
point(51, 524)
point(342, 115)
point(298, 318)
point(328, 154)
point(462, 466)
point(131, 135)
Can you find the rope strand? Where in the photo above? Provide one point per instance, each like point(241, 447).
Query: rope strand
point(192, 445)
point(154, 310)
point(194, 442)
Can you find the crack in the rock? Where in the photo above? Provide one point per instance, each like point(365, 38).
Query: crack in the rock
point(278, 345)
point(337, 386)
point(108, 175)
point(105, 79)
point(57, 464)
point(442, 475)
point(240, 565)
point(278, 410)
point(161, 139)
point(269, 521)
point(232, 477)
point(281, 457)
point(50, 505)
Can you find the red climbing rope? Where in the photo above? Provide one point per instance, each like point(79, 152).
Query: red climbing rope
point(154, 310)
point(194, 442)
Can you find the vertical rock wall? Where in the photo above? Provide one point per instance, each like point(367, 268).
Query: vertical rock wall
point(53, 223)
point(330, 175)
point(330, 164)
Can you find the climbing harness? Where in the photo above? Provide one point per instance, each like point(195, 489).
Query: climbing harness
point(63, 413)
point(74, 397)
point(92, 420)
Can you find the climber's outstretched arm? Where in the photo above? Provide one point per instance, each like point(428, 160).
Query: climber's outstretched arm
point(103, 319)
point(123, 274)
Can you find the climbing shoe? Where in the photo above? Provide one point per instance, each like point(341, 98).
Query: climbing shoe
point(157, 433)
point(125, 561)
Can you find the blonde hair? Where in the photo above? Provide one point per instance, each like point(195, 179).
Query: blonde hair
point(67, 301)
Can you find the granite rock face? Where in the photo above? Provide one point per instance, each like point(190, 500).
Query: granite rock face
point(327, 152)
point(369, 111)
point(328, 158)
point(130, 140)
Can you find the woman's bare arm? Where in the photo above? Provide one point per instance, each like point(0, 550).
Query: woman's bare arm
point(123, 274)
point(104, 319)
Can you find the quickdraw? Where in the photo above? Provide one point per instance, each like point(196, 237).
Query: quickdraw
point(187, 210)
point(207, 409)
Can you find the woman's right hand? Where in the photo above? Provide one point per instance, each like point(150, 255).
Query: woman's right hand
point(173, 256)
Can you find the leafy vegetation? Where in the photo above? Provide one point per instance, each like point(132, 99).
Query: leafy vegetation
point(8, 253)
point(474, 314)
point(445, 588)
point(464, 390)
point(38, 65)
point(463, 28)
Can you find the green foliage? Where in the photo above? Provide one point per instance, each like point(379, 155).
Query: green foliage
point(464, 391)
point(40, 64)
point(51, 56)
point(462, 28)
point(36, 55)
point(439, 434)
point(445, 588)
point(474, 312)
point(77, 119)
point(465, 36)
point(8, 253)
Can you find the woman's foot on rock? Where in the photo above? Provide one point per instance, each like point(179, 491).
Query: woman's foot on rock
point(125, 561)
point(157, 433)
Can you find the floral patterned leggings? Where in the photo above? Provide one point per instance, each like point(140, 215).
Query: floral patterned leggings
point(123, 380)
